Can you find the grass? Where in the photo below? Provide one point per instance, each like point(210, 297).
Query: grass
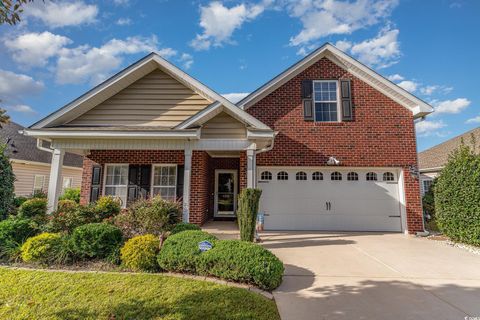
point(37, 294)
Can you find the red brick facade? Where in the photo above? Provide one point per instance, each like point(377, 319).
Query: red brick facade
point(381, 135)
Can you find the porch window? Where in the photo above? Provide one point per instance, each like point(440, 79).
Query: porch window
point(116, 180)
point(165, 181)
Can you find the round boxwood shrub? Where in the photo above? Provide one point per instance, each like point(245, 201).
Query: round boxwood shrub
point(107, 207)
point(140, 253)
point(42, 249)
point(457, 197)
point(96, 240)
point(180, 251)
point(33, 208)
point(242, 261)
point(13, 233)
point(183, 226)
point(72, 194)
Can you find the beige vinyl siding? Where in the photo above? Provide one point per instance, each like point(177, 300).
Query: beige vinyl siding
point(223, 126)
point(25, 175)
point(155, 100)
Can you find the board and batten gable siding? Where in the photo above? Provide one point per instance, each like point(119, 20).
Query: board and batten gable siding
point(154, 100)
point(25, 176)
point(223, 126)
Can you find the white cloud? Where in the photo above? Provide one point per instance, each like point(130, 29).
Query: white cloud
point(431, 89)
point(85, 63)
point(186, 60)
point(219, 23)
point(14, 86)
point(473, 120)
point(395, 77)
point(21, 108)
point(124, 22)
point(410, 86)
point(427, 128)
point(343, 45)
point(235, 96)
point(451, 106)
point(121, 2)
point(61, 14)
point(34, 49)
point(321, 18)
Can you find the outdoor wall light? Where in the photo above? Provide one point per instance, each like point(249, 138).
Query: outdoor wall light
point(332, 161)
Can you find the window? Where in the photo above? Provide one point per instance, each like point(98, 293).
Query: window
point(371, 176)
point(38, 183)
point(317, 176)
point(352, 176)
point(388, 176)
point(165, 182)
point(67, 182)
point(282, 175)
point(116, 180)
point(266, 175)
point(336, 176)
point(427, 184)
point(326, 101)
point(301, 176)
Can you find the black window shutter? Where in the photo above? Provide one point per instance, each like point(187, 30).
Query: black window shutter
point(307, 89)
point(180, 173)
point(346, 99)
point(95, 185)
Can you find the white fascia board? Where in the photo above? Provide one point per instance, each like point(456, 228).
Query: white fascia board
point(172, 134)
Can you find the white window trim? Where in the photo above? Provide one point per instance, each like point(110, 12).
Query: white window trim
point(43, 182)
point(63, 182)
point(339, 109)
point(105, 167)
point(160, 186)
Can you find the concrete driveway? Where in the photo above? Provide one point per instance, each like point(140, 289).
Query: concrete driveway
point(373, 276)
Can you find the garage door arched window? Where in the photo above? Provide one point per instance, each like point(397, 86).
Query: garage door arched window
point(336, 176)
point(388, 176)
point(352, 176)
point(371, 176)
point(266, 176)
point(301, 176)
point(282, 175)
point(317, 176)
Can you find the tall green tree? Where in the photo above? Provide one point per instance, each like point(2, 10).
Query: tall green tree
point(6, 182)
point(4, 118)
point(10, 11)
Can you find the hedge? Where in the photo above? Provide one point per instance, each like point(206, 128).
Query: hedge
point(96, 240)
point(183, 226)
point(13, 233)
point(140, 253)
point(42, 249)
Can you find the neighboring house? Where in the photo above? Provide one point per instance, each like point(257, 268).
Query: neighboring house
point(31, 165)
point(432, 161)
point(153, 129)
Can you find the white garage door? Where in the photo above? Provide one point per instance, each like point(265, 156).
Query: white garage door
point(330, 199)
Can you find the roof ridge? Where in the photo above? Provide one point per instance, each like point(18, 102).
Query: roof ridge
point(450, 140)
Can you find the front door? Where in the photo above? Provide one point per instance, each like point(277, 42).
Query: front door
point(138, 182)
point(225, 193)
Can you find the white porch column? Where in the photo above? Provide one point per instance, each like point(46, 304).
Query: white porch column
point(55, 182)
point(186, 183)
point(251, 166)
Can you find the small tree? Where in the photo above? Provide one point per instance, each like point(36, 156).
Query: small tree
point(247, 212)
point(457, 197)
point(6, 183)
point(428, 202)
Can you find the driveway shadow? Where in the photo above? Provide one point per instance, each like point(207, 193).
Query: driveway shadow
point(302, 243)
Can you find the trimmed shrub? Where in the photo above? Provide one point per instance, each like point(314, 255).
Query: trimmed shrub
point(457, 197)
point(183, 226)
point(42, 249)
point(107, 207)
point(180, 251)
point(35, 207)
point(72, 194)
point(7, 179)
point(243, 262)
point(18, 201)
point(13, 233)
point(248, 201)
point(95, 240)
point(140, 253)
point(428, 202)
point(68, 216)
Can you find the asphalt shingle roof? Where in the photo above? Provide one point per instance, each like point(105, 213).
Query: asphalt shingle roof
point(437, 156)
point(21, 147)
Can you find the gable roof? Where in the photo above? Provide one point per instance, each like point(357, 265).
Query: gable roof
point(437, 156)
point(418, 107)
point(126, 77)
point(21, 147)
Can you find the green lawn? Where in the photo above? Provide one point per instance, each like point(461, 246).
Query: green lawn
point(34, 294)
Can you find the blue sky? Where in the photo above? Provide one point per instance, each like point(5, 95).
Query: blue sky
point(63, 48)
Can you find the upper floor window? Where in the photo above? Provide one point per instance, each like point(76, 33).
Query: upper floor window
point(371, 176)
point(336, 176)
point(282, 175)
point(266, 175)
point(325, 95)
point(317, 176)
point(388, 176)
point(352, 176)
point(301, 176)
